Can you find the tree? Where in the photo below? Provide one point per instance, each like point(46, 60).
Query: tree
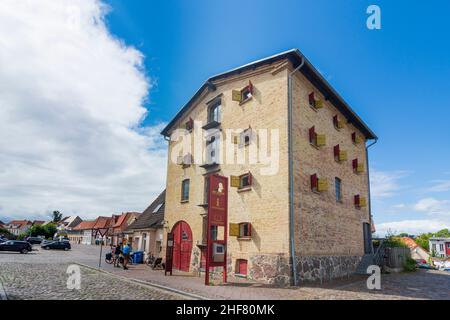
point(5, 233)
point(47, 231)
point(444, 233)
point(57, 216)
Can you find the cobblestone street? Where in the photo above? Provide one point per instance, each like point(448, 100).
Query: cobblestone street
point(42, 275)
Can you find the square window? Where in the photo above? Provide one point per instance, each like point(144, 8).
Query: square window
point(246, 94)
point(245, 230)
point(245, 180)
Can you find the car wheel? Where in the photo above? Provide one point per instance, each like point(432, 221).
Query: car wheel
point(66, 249)
point(46, 248)
point(23, 251)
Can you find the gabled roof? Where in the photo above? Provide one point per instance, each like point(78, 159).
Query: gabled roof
point(153, 216)
point(308, 70)
point(85, 225)
point(20, 223)
point(38, 222)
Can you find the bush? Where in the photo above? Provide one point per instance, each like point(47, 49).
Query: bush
point(410, 265)
point(394, 242)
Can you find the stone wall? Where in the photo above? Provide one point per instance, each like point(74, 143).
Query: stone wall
point(325, 268)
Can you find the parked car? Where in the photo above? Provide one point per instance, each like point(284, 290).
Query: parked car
point(63, 245)
point(34, 240)
point(3, 240)
point(15, 246)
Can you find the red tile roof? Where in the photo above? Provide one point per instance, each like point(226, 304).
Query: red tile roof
point(21, 223)
point(85, 225)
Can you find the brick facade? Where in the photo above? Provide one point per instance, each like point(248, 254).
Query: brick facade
point(328, 235)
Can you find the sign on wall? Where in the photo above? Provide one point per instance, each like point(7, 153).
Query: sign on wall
point(217, 217)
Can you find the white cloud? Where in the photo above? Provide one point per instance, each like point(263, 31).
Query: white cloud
point(71, 106)
point(433, 206)
point(440, 186)
point(412, 226)
point(385, 184)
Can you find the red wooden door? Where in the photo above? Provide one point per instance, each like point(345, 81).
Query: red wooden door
point(242, 266)
point(182, 246)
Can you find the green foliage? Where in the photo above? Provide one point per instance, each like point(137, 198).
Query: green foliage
point(393, 241)
point(422, 240)
point(21, 236)
point(57, 216)
point(6, 233)
point(410, 265)
point(47, 231)
point(444, 233)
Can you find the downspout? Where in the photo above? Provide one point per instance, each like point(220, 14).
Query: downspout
point(368, 186)
point(291, 175)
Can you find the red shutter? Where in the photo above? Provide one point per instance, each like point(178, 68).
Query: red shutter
point(336, 150)
point(357, 200)
point(355, 164)
point(312, 100)
point(250, 178)
point(312, 135)
point(354, 136)
point(250, 87)
point(335, 120)
point(314, 181)
point(249, 229)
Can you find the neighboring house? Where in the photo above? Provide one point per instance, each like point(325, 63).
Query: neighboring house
point(84, 232)
point(17, 227)
point(147, 231)
point(2, 224)
point(68, 223)
point(38, 222)
point(417, 252)
point(440, 246)
point(120, 224)
point(307, 200)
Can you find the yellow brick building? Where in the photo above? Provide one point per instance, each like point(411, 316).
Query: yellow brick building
point(301, 207)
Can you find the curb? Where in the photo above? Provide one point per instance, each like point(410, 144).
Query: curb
point(3, 295)
point(148, 284)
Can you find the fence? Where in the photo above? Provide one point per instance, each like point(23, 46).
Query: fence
point(396, 257)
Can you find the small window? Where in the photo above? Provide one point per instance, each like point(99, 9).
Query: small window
point(185, 190)
point(441, 247)
point(245, 180)
point(214, 232)
point(214, 111)
point(245, 230)
point(338, 186)
point(246, 137)
point(189, 124)
point(206, 191)
point(246, 94)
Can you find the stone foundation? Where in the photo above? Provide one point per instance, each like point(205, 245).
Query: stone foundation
point(326, 268)
point(270, 269)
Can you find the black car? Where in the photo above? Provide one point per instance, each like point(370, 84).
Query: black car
point(16, 246)
point(34, 240)
point(63, 245)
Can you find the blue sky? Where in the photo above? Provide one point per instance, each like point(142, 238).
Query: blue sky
point(71, 94)
point(397, 78)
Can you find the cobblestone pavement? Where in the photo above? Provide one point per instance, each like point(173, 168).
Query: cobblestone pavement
point(418, 285)
point(42, 276)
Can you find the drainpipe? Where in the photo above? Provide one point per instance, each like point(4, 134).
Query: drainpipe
point(291, 175)
point(368, 186)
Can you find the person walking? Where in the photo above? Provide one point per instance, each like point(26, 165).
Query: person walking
point(126, 255)
point(117, 252)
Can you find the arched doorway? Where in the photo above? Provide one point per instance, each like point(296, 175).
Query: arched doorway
point(182, 246)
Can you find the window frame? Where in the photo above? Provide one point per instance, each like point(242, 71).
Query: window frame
point(185, 184)
point(215, 105)
point(242, 234)
point(249, 90)
point(338, 189)
point(247, 175)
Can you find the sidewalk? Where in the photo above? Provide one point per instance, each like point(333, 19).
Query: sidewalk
point(418, 285)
